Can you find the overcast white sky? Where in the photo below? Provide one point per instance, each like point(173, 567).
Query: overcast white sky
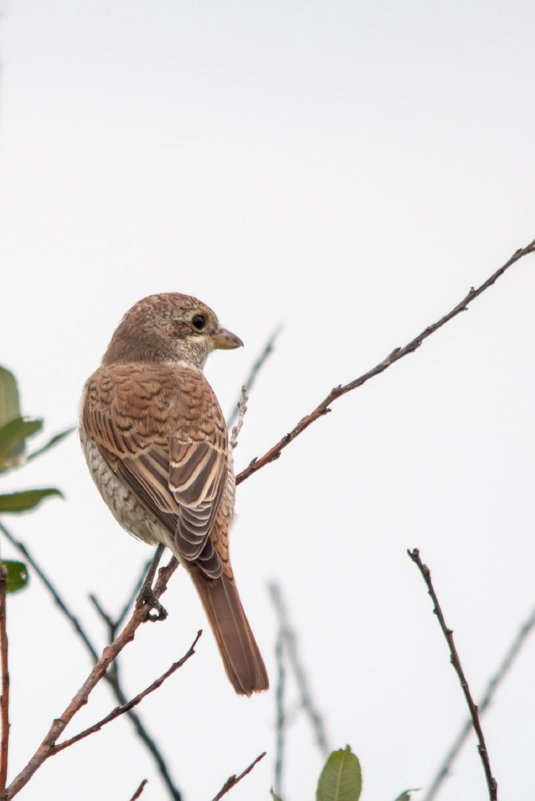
point(349, 170)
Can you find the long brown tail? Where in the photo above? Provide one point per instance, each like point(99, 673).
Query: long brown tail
point(241, 657)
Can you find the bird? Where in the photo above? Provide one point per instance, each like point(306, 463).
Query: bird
point(156, 444)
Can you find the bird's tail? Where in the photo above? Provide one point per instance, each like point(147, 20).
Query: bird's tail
point(240, 653)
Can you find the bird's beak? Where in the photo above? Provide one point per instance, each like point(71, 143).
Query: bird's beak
point(225, 340)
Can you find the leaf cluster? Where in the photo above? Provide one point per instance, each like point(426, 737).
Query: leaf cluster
point(15, 431)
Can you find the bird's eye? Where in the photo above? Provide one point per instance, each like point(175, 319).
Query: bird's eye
point(198, 322)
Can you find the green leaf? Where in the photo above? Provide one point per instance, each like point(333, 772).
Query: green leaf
point(341, 778)
point(274, 796)
point(17, 575)
point(24, 501)
point(12, 439)
point(406, 794)
point(51, 442)
point(9, 397)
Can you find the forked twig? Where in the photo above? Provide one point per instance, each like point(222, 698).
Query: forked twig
point(397, 354)
point(506, 664)
point(140, 615)
point(112, 674)
point(288, 639)
point(232, 781)
point(456, 662)
point(120, 710)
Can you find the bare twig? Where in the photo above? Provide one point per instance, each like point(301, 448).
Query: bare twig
point(139, 616)
point(139, 790)
point(255, 369)
point(112, 674)
point(397, 354)
point(232, 781)
point(121, 617)
point(21, 548)
point(4, 699)
point(506, 664)
point(242, 409)
point(289, 639)
point(280, 717)
point(120, 710)
point(456, 662)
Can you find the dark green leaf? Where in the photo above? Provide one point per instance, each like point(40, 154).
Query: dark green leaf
point(23, 501)
point(341, 778)
point(274, 796)
point(12, 439)
point(17, 575)
point(9, 397)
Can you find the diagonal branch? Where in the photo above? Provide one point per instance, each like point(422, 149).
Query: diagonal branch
point(286, 649)
point(232, 781)
point(139, 790)
point(253, 373)
point(58, 600)
point(111, 675)
point(140, 615)
point(456, 662)
point(506, 664)
point(397, 354)
point(120, 710)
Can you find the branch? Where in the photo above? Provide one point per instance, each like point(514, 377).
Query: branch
point(232, 781)
point(456, 662)
point(140, 615)
point(280, 718)
point(139, 790)
point(4, 699)
point(397, 354)
point(120, 710)
point(21, 548)
point(241, 410)
point(253, 373)
point(112, 675)
point(506, 664)
point(289, 638)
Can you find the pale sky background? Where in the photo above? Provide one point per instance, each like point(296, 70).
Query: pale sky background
point(349, 170)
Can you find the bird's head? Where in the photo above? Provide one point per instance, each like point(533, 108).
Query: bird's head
point(169, 328)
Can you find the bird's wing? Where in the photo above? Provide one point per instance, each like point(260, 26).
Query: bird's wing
point(163, 434)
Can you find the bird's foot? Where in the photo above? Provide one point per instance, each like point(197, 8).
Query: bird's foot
point(146, 597)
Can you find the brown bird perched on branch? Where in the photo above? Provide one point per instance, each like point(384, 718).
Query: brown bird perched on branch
point(157, 447)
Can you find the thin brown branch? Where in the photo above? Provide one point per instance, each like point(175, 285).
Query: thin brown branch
point(139, 790)
point(120, 710)
point(289, 639)
point(232, 781)
point(456, 662)
point(112, 674)
point(493, 684)
point(253, 373)
point(397, 354)
point(140, 615)
point(4, 699)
